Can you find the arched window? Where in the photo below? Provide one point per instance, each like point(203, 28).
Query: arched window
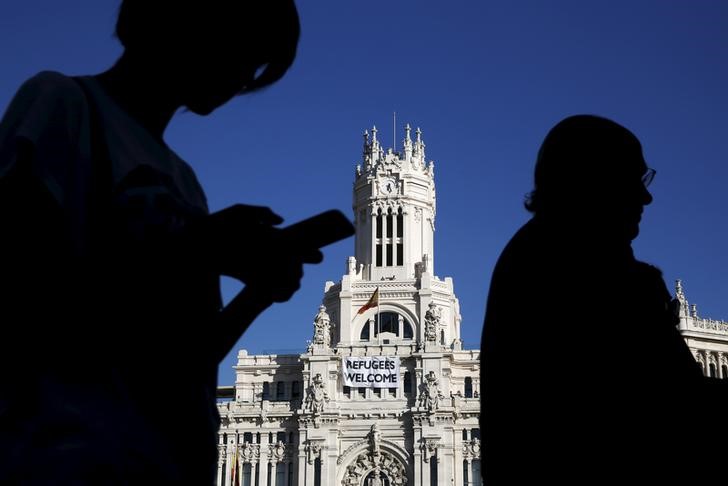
point(280, 390)
point(390, 322)
point(364, 336)
point(379, 237)
point(400, 238)
point(407, 383)
point(711, 367)
point(468, 387)
point(390, 228)
point(476, 472)
point(316, 472)
point(383, 479)
point(246, 474)
point(266, 390)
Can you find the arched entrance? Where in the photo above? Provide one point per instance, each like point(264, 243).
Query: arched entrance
point(374, 462)
point(376, 478)
point(382, 469)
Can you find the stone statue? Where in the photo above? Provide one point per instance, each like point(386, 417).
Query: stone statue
point(317, 395)
point(322, 327)
point(430, 395)
point(432, 322)
point(375, 437)
point(376, 480)
point(351, 478)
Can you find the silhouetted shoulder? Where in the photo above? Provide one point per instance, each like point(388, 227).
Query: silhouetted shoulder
point(47, 98)
point(47, 123)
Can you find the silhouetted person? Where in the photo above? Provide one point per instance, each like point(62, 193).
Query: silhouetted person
point(584, 373)
point(111, 318)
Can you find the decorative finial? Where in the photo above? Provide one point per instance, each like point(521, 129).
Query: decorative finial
point(407, 132)
point(418, 132)
point(374, 133)
point(366, 136)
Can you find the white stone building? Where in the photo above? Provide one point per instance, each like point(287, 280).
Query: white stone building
point(291, 420)
point(706, 338)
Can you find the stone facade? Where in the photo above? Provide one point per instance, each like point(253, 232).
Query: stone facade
point(706, 338)
point(290, 419)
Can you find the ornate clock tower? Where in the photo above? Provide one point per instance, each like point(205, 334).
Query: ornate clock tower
point(305, 419)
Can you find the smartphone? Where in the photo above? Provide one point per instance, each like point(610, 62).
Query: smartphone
point(321, 230)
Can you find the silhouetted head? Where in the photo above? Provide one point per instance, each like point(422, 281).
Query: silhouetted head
point(590, 172)
point(212, 49)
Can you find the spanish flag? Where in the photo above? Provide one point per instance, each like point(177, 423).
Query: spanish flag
point(373, 302)
point(234, 468)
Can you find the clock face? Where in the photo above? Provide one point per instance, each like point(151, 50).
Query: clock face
point(389, 186)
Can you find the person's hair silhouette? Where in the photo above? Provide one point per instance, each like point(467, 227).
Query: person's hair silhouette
point(111, 261)
point(571, 318)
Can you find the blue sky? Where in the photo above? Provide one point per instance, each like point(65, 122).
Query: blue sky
point(485, 81)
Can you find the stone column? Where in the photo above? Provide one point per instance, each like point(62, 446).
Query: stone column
point(263, 474)
point(457, 452)
point(231, 451)
point(273, 466)
point(426, 469)
point(221, 453)
point(301, 477)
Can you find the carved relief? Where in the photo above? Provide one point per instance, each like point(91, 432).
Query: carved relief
point(313, 448)
point(429, 448)
point(276, 452)
point(430, 394)
point(471, 449)
point(432, 321)
point(250, 452)
point(375, 463)
point(322, 328)
point(316, 396)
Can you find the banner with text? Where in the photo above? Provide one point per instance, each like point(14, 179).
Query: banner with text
point(371, 371)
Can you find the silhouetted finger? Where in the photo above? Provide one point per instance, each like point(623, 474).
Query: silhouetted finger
point(257, 214)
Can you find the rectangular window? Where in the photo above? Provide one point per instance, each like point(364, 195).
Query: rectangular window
point(378, 223)
point(400, 254)
point(389, 255)
point(347, 391)
point(296, 389)
point(362, 392)
point(392, 392)
point(379, 255)
point(390, 221)
point(281, 437)
point(400, 225)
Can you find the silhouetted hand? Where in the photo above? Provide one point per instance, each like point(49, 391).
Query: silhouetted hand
point(241, 242)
